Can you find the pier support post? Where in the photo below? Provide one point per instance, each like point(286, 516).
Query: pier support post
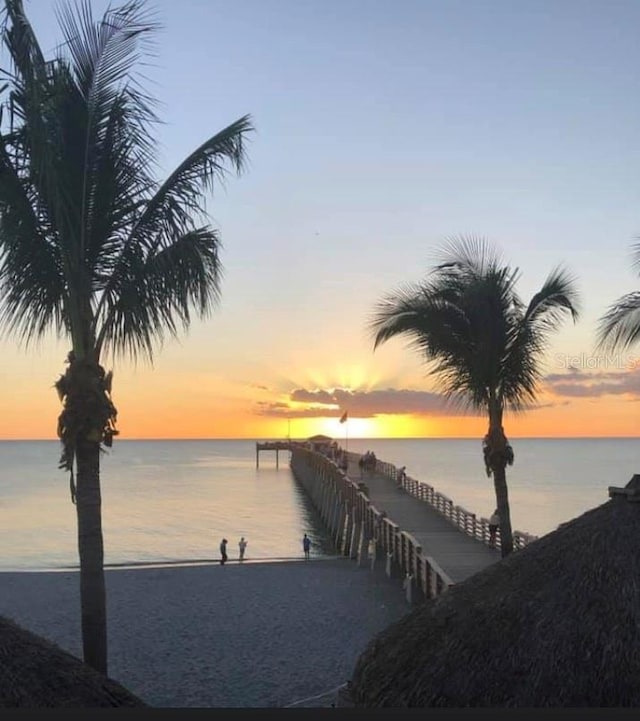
point(324, 502)
point(387, 568)
point(373, 552)
point(363, 545)
point(356, 534)
point(342, 519)
point(347, 530)
point(408, 587)
point(335, 517)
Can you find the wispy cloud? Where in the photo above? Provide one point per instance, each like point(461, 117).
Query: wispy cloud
point(323, 403)
point(584, 384)
point(366, 404)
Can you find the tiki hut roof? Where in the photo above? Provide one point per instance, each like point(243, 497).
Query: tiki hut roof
point(320, 439)
point(554, 624)
point(35, 674)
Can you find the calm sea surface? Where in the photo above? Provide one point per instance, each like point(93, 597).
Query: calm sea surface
point(172, 501)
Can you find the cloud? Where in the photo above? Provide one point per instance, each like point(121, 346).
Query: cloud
point(363, 404)
point(321, 403)
point(582, 384)
point(300, 395)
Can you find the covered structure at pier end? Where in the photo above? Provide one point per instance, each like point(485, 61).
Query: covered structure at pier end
point(37, 674)
point(320, 443)
point(554, 624)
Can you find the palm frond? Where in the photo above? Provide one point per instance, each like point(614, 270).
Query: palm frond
point(438, 327)
point(104, 53)
point(557, 298)
point(21, 42)
point(157, 292)
point(468, 322)
point(182, 193)
point(113, 114)
point(619, 327)
point(171, 212)
point(468, 256)
point(30, 280)
point(90, 243)
point(530, 336)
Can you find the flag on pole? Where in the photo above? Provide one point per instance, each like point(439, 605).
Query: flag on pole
point(344, 417)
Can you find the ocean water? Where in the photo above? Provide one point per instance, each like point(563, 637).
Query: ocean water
point(172, 501)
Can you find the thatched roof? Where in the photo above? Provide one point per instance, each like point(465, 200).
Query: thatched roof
point(554, 624)
point(35, 674)
point(320, 439)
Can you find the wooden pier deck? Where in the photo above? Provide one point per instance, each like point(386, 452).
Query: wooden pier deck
point(457, 553)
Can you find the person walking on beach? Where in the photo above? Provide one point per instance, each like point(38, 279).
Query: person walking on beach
point(242, 544)
point(223, 551)
point(494, 522)
point(306, 545)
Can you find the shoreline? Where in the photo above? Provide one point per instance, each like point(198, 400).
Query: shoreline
point(178, 563)
point(256, 635)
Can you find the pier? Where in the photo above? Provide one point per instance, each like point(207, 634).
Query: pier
point(375, 516)
point(276, 446)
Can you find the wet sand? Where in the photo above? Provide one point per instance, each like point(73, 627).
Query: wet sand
point(243, 635)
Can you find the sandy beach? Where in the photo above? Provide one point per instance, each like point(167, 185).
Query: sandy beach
point(242, 635)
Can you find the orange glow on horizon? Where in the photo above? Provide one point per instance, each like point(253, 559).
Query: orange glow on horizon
point(162, 404)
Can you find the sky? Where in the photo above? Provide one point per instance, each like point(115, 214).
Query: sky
point(381, 130)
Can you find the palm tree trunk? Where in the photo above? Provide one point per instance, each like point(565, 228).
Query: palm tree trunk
point(502, 501)
point(497, 455)
point(90, 549)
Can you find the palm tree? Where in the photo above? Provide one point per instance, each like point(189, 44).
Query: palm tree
point(92, 246)
point(482, 343)
point(619, 327)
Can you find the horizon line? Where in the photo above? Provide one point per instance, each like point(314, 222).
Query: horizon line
point(360, 438)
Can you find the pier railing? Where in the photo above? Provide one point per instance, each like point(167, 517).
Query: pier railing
point(477, 527)
point(362, 531)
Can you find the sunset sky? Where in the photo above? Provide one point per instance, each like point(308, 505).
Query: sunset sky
point(382, 128)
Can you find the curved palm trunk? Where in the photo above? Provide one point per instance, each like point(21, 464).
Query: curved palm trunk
point(90, 548)
point(497, 457)
point(502, 501)
point(87, 421)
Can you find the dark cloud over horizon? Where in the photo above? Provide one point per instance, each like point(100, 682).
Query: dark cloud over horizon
point(368, 404)
point(594, 384)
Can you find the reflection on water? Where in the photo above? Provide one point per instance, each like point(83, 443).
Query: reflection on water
point(161, 501)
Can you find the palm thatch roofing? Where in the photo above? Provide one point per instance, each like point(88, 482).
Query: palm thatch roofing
point(36, 674)
point(554, 624)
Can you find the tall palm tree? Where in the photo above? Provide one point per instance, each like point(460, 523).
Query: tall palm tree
point(92, 246)
point(483, 344)
point(619, 327)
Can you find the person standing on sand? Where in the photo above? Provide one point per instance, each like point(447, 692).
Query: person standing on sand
point(223, 551)
point(306, 545)
point(242, 544)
